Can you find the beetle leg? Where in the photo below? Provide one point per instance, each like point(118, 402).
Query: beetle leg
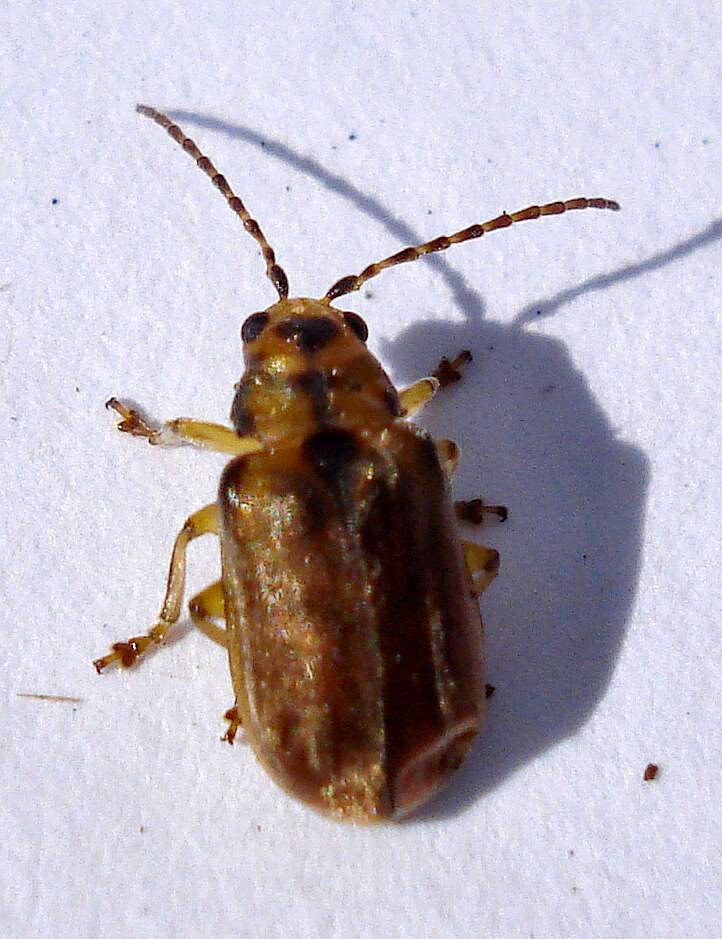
point(450, 455)
point(182, 430)
point(416, 395)
point(474, 511)
point(446, 373)
point(203, 522)
point(207, 606)
point(480, 561)
point(234, 724)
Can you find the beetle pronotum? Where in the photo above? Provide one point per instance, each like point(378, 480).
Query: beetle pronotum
point(352, 624)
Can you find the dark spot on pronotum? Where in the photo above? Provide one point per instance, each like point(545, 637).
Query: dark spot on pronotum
point(242, 420)
point(330, 451)
point(357, 324)
point(241, 416)
point(312, 383)
point(391, 397)
point(489, 690)
point(315, 385)
point(254, 326)
point(310, 333)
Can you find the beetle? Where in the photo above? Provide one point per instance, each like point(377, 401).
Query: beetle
point(350, 604)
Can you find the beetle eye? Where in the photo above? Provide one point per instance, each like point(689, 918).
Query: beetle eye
point(354, 321)
point(254, 326)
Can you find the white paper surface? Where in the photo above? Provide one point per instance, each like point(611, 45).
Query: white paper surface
point(351, 130)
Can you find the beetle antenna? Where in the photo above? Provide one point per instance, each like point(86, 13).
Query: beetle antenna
point(274, 272)
point(354, 281)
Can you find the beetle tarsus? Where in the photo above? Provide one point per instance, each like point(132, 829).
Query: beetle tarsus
point(234, 722)
point(131, 422)
point(127, 653)
point(474, 510)
point(448, 371)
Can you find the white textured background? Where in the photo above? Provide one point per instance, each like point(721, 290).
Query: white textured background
point(592, 410)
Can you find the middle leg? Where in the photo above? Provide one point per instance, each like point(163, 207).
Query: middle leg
point(207, 606)
point(203, 522)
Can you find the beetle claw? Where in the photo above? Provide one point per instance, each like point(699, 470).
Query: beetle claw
point(127, 653)
point(131, 422)
point(234, 720)
point(474, 510)
point(449, 371)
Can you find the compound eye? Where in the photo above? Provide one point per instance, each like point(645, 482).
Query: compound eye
point(254, 326)
point(354, 321)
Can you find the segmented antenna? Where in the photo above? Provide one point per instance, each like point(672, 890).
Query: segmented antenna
point(354, 281)
point(274, 272)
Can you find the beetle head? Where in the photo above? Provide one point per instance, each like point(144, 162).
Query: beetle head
point(299, 329)
point(308, 368)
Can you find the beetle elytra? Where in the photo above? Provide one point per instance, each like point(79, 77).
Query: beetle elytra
point(350, 603)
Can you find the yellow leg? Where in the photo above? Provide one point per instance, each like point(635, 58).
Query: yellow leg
point(446, 373)
point(207, 606)
point(203, 522)
point(183, 430)
point(416, 395)
point(480, 561)
point(450, 455)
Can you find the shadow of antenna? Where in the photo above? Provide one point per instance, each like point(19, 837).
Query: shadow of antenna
point(546, 308)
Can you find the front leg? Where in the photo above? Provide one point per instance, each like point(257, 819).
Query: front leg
point(446, 373)
point(183, 430)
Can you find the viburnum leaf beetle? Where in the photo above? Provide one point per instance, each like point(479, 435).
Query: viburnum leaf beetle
point(352, 624)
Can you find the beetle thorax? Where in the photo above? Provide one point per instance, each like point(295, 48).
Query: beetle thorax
point(308, 369)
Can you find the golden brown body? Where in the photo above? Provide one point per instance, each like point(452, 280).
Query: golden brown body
point(352, 627)
point(353, 638)
point(354, 641)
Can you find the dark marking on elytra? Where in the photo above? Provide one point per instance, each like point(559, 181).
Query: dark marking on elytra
point(330, 452)
point(310, 333)
point(429, 455)
point(254, 326)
